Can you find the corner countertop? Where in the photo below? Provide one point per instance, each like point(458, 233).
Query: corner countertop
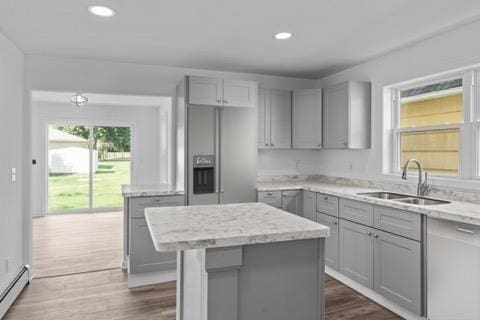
point(210, 226)
point(149, 190)
point(457, 211)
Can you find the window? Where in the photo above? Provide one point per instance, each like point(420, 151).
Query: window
point(435, 123)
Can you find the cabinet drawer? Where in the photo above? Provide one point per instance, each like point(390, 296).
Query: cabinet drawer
point(331, 243)
point(273, 198)
point(356, 211)
point(143, 257)
point(327, 204)
point(138, 204)
point(399, 222)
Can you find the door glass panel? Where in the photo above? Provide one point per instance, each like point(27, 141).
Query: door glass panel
point(68, 167)
point(111, 165)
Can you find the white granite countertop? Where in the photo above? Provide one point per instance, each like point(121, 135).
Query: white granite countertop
point(209, 226)
point(465, 212)
point(149, 190)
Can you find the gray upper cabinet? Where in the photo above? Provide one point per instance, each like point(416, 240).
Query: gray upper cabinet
point(263, 119)
point(239, 93)
point(205, 91)
point(356, 252)
point(281, 119)
point(292, 201)
point(397, 270)
point(331, 243)
point(346, 115)
point(222, 92)
point(274, 119)
point(310, 205)
point(307, 119)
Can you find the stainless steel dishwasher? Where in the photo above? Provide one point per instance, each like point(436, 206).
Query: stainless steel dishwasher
point(453, 271)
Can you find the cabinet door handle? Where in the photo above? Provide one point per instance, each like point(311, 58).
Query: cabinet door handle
point(269, 194)
point(465, 230)
point(271, 144)
point(325, 198)
point(375, 235)
point(369, 233)
point(266, 144)
point(225, 101)
point(219, 101)
point(334, 222)
point(345, 144)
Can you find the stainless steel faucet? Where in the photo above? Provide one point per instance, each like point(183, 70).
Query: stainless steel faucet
point(422, 187)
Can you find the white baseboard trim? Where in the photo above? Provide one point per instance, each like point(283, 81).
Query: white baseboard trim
point(402, 312)
point(8, 297)
point(149, 278)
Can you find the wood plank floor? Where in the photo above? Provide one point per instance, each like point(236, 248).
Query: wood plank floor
point(73, 243)
point(104, 294)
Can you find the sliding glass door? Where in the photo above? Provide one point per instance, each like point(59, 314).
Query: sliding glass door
point(87, 166)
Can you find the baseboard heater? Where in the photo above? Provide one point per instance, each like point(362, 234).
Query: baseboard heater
point(11, 293)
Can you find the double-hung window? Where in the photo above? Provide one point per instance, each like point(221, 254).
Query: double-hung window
point(436, 123)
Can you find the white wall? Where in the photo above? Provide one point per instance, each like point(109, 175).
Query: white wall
point(454, 49)
point(145, 139)
point(59, 74)
point(12, 155)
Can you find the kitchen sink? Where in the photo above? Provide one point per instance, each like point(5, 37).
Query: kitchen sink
point(403, 198)
point(421, 201)
point(384, 195)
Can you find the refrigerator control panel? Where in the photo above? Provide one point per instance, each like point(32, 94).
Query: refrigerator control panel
point(203, 161)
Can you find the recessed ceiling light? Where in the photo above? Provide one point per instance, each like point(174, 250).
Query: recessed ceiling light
point(101, 11)
point(283, 35)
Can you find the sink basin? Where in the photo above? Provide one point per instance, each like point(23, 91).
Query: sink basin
point(385, 195)
point(421, 201)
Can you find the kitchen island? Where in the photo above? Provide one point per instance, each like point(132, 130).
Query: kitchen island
point(245, 261)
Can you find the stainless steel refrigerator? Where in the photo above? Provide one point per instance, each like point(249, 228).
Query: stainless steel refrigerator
point(216, 151)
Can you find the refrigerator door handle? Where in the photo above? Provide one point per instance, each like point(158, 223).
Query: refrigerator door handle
point(220, 149)
point(217, 149)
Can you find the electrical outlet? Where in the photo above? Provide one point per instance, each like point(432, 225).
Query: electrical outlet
point(14, 174)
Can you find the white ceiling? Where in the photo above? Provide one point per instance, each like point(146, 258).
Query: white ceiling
point(329, 35)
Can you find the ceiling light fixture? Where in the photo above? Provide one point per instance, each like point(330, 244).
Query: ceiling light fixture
point(79, 100)
point(283, 35)
point(101, 11)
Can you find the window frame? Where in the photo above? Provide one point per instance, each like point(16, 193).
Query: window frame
point(469, 129)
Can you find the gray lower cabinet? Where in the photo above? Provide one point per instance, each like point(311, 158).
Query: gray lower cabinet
point(327, 204)
point(397, 270)
point(356, 211)
point(310, 205)
point(292, 201)
point(273, 198)
point(331, 243)
point(356, 252)
point(143, 256)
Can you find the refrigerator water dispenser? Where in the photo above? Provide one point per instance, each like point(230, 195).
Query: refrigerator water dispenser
point(203, 174)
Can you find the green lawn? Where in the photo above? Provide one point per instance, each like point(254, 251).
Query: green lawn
point(70, 191)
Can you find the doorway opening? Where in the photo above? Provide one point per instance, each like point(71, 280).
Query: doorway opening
point(87, 165)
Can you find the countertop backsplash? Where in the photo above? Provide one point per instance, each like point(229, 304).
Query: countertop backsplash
point(442, 192)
